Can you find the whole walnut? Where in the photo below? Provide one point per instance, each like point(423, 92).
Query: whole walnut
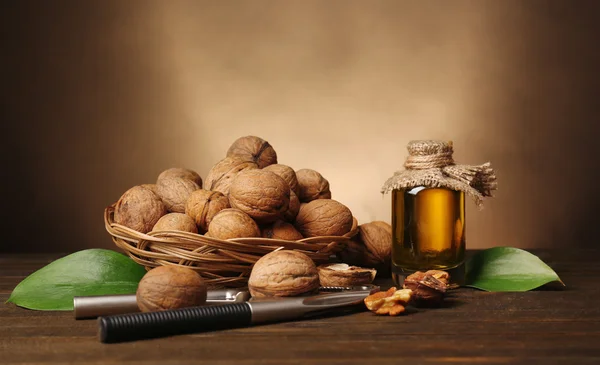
point(354, 253)
point(139, 209)
point(152, 187)
point(286, 173)
point(254, 149)
point(294, 208)
point(175, 191)
point(283, 273)
point(221, 175)
point(281, 230)
point(384, 225)
point(312, 185)
point(261, 194)
point(232, 223)
point(176, 222)
point(182, 173)
point(202, 205)
point(377, 238)
point(324, 217)
point(170, 287)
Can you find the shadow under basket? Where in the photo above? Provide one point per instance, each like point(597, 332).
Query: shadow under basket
point(222, 263)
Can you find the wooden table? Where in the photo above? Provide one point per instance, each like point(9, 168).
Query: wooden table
point(538, 327)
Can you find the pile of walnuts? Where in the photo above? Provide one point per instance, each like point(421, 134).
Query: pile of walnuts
point(249, 194)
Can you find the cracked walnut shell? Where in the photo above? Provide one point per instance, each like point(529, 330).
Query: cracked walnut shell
point(139, 209)
point(391, 302)
point(429, 288)
point(312, 185)
point(345, 275)
point(283, 273)
point(253, 149)
point(261, 194)
point(232, 223)
point(202, 205)
point(324, 217)
point(170, 287)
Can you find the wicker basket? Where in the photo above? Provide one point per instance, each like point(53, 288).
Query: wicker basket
point(222, 263)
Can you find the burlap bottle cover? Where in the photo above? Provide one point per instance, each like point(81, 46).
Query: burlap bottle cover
point(430, 164)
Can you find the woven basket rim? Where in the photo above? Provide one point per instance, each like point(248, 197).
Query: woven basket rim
point(219, 262)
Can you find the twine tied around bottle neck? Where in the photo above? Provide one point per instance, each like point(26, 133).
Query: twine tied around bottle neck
point(430, 164)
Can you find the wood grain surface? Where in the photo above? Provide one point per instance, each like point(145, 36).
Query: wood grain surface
point(547, 326)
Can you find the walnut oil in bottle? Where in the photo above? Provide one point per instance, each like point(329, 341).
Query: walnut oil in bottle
point(428, 226)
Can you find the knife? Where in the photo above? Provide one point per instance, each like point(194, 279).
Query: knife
point(88, 307)
point(137, 326)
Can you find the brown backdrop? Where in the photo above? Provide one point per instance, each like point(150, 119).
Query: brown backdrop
point(99, 96)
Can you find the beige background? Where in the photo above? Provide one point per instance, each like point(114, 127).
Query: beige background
point(103, 95)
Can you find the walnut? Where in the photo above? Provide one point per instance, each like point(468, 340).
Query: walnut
point(202, 205)
point(294, 208)
point(384, 225)
point(281, 230)
point(283, 273)
point(182, 173)
point(345, 275)
point(170, 287)
point(175, 191)
point(286, 173)
point(324, 217)
point(152, 187)
point(253, 149)
point(354, 253)
point(392, 302)
point(377, 239)
point(428, 287)
point(139, 209)
point(261, 194)
point(312, 185)
point(232, 223)
point(221, 175)
point(176, 222)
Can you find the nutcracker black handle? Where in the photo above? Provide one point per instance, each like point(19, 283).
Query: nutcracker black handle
point(137, 326)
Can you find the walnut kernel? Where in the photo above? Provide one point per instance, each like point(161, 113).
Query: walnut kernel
point(391, 302)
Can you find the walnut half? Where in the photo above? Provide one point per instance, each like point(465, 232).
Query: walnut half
point(391, 302)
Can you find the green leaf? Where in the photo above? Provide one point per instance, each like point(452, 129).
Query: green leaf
point(507, 269)
point(87, 272)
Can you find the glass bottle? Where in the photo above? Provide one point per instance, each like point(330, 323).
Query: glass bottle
point(428, 226)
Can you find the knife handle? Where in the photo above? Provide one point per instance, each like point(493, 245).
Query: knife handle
point(137, 326)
